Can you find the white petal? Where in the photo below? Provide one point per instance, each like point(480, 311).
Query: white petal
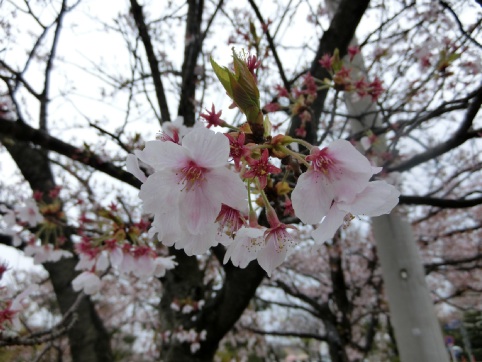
point(161, 155)
point(198, 209)
point(160, 192)
point(87, 281)
point(347, 155)
point(198, 244)
point(378, 198)
point(132, 166)
point(351, 171)
point(272, 255)
point(207, 148)
point(246, 246)
point(311, 197)
point(116, 257)
point(226, 187)
point(326, 230)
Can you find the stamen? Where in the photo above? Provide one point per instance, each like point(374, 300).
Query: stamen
point(191, 175)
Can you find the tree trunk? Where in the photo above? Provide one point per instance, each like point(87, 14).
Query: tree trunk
point(88, 339)
point(417, 330)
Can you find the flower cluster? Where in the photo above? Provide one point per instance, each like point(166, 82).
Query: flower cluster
point(191, 336)
point(10, 307)
point(21, 217)
point(197, 198)
point(343, 80)
point(110, 242)
point(336, 186)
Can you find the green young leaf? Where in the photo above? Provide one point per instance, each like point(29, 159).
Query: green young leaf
point(223, 75)
point(241, 87)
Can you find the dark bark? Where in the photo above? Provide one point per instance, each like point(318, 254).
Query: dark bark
point(192, 49)
point(439, 202)
point(18, 131)
point(138, 16)
point(338, 36)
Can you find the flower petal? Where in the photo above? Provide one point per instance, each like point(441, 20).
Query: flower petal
point(226, 187)
point(207, 149)
point(378, 198)
point(198, 209)
point(312, 197)
point(246, 246)
point(132, 166)
point(272, 255)
point(161, 155)
point(330, 224)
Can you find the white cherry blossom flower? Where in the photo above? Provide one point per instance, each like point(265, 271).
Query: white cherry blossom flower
point(337, 186)
point(45, 253)
point(338, 172)
point(269, 246)
point(188, 187)
point(377, 199)
point(278, 241)
point(247, 243)
point(29, 213)
point(11, 229)
point(174, 131)
point(162, 264)
point(88, 282)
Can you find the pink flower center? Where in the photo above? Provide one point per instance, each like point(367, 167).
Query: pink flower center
point(321, 160)
point(191, 175)
point(230, 220)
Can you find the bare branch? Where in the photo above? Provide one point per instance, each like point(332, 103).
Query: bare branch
point(445, 203)
point(459, 137)
point(23, 132)
point(272, 45)
point(138, 15)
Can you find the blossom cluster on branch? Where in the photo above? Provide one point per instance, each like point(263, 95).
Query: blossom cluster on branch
point(197, 198)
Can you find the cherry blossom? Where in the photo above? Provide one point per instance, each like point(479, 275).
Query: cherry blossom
point(213, 118)
point(278, 241)
point(238, 151)
point(45, 253)
point(336, 186)
point(190, 184)
point(268, 246)
point(9, 311)
point(248, 242)
point(174, 131)
point(376, 199)
point(11, 225)
point(261, 168)
point(29, 213)
point(162, 264)
point(88, 282)
point(230, 220)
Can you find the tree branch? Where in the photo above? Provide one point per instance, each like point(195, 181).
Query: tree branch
point(438, 202)
point(138, 15)
point(44, 99)
point(272, 46)
point(459, 137)
point(338, 36)
point(318, 337)
point(23, 132)
point(192, 49)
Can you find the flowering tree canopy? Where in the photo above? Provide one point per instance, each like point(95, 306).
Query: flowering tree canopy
point(197, 179)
